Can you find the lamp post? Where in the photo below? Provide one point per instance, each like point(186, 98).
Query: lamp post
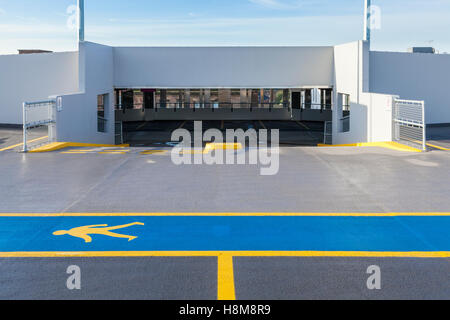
point(367, 20)
point(81, 20)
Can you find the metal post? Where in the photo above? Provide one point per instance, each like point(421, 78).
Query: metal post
point(24, 119)
point(80, 20)
point(424, 139)
point(367, 20)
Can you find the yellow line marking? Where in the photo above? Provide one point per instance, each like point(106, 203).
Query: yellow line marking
point(75, 152)
point(79, 150)
point(182, 125)
point(226, 255)
point(123, 150)
point(388, 145)
point(222, 124)
point(215, 146)
point(262, 124)
point(303, 125)
point(225, 277)
point(226, 214)
point(153, 152)
point(61, 145)
point(437, 147)
point(21, 144)
point(113, 152)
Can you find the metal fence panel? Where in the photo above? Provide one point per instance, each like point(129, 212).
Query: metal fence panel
point(409, 126)
point(37, 114)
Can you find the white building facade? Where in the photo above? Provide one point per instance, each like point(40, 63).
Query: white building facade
point(347, 84)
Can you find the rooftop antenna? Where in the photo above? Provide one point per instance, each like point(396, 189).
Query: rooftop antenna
point(81, 20)
point(367, 20)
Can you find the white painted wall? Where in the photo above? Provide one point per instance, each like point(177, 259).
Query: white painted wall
point(77, 122)
point(229, 67)
point(414, 76)
point(34, 77)
point(370, 114)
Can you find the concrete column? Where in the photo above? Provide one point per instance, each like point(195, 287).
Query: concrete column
point(207, 98)
point(187, 98)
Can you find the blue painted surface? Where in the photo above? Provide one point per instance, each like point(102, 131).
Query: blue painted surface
point(232, 233)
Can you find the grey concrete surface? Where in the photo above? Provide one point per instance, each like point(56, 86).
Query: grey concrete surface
point(196, 278)
point(309, 180)
point(110, 278)
point(12, 135)
point(439, 135)
point(340, 278)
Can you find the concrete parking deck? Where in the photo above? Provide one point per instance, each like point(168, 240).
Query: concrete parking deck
point(391, 209)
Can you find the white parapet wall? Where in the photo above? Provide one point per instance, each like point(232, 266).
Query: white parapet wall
point(370, 113)
point(34, 77)
point(414, 76)
point(223, 67)
point(77, 119)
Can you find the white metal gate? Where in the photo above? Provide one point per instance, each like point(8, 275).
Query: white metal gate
point(37, 114)
point(409, 126)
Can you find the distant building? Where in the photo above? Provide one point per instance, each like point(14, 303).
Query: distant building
point(422, 50)
point(30, 51)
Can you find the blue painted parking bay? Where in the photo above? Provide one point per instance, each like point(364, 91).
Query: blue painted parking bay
point(224, 233)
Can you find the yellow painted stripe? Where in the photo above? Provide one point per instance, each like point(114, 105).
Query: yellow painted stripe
point(225, 277)
point(117, 150)
point(215, 146)
point(21, 144)
point(149, 152)
point(437, 147)
point(388, 145)
point(225, 261)
point(112, 152)
point(230, 214)
point(75, 152)
point(61, 145)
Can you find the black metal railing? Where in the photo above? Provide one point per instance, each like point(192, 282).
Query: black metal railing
point(221, 105)
point(227, 105)
point(315, 106)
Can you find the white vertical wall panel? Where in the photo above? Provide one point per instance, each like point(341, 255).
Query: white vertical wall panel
point(215, 67)
point(414, 76)
point(34, 77)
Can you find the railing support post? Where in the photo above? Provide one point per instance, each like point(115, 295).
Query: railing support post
point(24, 119)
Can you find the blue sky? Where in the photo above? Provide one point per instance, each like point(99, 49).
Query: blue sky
point(43, 23)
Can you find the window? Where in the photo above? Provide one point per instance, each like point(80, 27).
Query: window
point(102, 102)
point(344, 112)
